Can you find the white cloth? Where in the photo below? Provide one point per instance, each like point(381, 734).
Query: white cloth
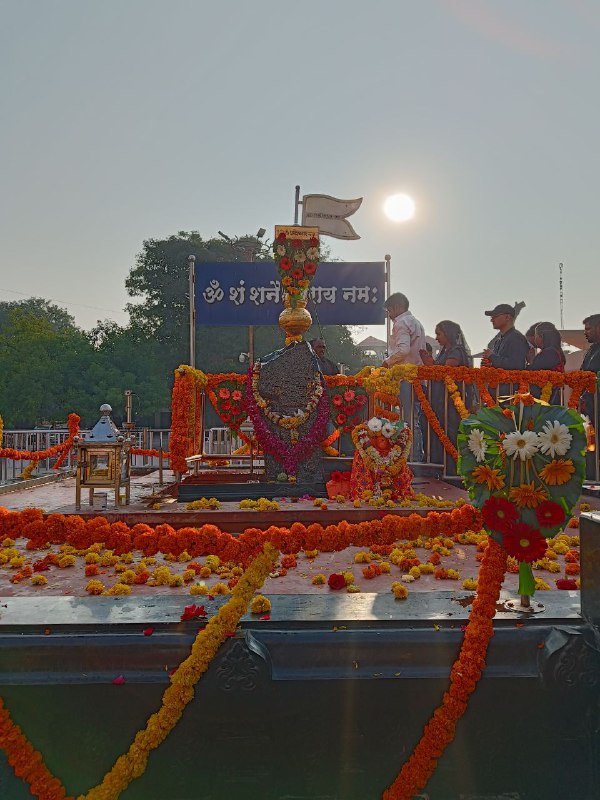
point(407, 338)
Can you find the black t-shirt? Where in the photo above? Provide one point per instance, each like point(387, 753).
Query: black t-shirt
point(510, 350)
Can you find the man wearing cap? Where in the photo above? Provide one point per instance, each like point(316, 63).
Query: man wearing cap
point(510, 347)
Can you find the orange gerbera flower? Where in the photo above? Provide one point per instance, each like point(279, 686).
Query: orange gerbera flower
point(558, 472)
point(485, 474)
point(527, 495)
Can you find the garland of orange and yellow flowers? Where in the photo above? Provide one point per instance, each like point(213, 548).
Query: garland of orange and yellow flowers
point(414, 775)
point(392, 463)
point(434, 421)
point(464, 676)
point(27, 763)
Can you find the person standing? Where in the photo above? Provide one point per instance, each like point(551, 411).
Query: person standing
point(546, 353)
point(454, 352)
point(591, 363)
point(509, 347)
point(407, 340)
point(326, 365)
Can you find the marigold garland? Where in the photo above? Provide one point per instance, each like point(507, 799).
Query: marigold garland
point(464, 676)
point(434, 421)
point(39, 455)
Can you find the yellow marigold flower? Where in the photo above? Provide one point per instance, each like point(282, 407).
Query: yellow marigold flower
point(453, 574)
point(67, 561)
point(155, 506)
point(356, 503)
point(39, 580)
point(175, 581)
point(352, 589)
point(18, 561)
point(188, 575)
point(127, 558)
point(385, 567)
point(150, 560)
point(426, 569)
point(220, 588)
point(318, 580)
point(260, 604)
point(108, 560)
point(311, 553)
point(119, 589)
point(541, 586)
point(92, 558)
point(558, 472)
point(127, 577)
point(214, 562)
point(205, 572)
point(470, 584)
point(400, 591)
point(120, 568)
point(582, 507)
point(348, 577)
point(415, 572)
point(199, 588)
point(162, 576)
point(574, 541)
point(560, 548)
point(8, 542)
point(362, 558)
point(95, 587)
point(528, 495)
point(485, 474)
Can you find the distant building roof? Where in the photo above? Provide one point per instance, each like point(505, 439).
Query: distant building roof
point(575, 338)
point(371, 341)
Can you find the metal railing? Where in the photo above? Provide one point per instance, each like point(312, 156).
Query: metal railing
point(38, 440)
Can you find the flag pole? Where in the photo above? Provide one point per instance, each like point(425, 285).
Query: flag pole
point(388, 271)
point(192, 293)
point(297, 202)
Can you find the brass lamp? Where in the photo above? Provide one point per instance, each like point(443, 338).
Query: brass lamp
point(103, 460)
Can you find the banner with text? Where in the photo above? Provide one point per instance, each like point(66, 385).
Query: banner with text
point(249, 293)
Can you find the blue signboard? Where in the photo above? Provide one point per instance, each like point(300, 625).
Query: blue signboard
point(250, 294)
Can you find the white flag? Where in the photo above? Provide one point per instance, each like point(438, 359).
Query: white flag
point(330, 214)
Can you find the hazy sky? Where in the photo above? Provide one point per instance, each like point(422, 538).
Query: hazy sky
point(132, 119)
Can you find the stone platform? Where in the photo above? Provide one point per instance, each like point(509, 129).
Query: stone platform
point(326, 699)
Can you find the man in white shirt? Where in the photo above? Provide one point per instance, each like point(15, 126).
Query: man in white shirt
point(407, 339)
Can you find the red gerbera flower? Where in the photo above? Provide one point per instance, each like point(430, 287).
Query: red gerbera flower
point(499, 514)
point(310, 268)
point(348, 395)
point(525, 543)
point(285, 264)
point(340, 419)
point(226, 405)
point(297, 274)
point(296, 243)
point(281, 237)
point(236, 395)
point(337, 400)
point(549, 514)
point(224, 393)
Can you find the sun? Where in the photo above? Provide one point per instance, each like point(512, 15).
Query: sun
point(399, 207)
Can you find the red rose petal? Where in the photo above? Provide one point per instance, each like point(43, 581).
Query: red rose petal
point(119, 680)
point(265, 616)
point(148, 631)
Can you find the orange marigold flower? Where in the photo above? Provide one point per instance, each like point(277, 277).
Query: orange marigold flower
point(558, 472)
point(485, 474)
point(527, 495)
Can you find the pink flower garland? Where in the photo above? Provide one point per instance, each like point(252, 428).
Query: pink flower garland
point(289, 456)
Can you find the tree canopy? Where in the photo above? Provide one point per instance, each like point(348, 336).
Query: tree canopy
point(50, 367)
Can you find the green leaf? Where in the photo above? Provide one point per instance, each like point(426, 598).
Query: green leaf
point(526, 579)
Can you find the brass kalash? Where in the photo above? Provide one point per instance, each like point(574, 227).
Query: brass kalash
point(103, 460)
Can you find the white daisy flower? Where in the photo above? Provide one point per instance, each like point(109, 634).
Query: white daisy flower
point(388, 429)
point(477, 444)
point(280, 250)
point(375, 425)
point(521, 445)
point(555, 438)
